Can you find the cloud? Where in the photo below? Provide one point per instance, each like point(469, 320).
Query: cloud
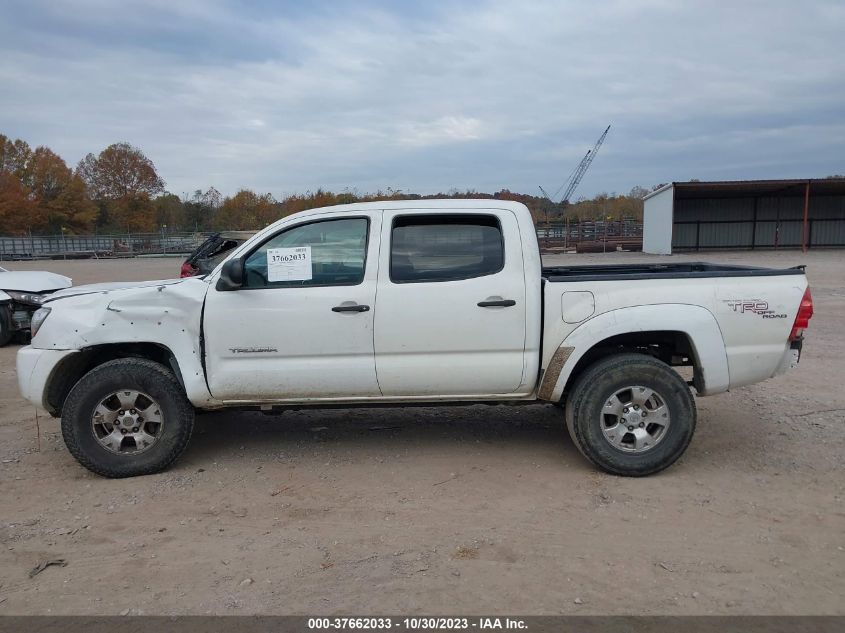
point(287, 97)
point(444, 130)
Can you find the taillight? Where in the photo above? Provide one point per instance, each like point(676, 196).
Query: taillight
point(187, 270)
point(802, 319)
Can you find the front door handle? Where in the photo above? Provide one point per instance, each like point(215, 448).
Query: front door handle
point(351, 308)
point(500, 303)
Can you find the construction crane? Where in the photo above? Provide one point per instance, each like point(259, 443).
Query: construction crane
point(578, 173)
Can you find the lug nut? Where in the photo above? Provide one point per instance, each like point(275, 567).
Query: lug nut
point(135, 429)
point(625, 410)
point(123, 431)
point(642, 424)
point(630, 428)
point(132, 411)
point(121, 412)
point(644, 413)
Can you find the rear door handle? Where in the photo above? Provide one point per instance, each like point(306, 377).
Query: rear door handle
point(351, 308)
point(500, 303)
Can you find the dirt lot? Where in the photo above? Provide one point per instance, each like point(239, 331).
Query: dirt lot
point(446, 510)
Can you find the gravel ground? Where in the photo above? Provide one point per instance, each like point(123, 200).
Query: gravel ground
point(443, 510)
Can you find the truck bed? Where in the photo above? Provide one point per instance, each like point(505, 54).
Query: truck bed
point(687, 270)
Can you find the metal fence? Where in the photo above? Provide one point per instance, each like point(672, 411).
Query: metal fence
point(566, 234)
point(91, 246)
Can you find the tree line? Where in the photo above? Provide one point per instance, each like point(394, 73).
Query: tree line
point(119, 190)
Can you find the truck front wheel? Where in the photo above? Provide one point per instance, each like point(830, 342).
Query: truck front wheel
point(631, 415)
point(127, 417)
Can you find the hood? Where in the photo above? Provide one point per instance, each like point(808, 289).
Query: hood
point(35, 281)
point(110, 287)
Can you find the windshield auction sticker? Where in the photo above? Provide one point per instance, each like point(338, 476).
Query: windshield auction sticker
point(289, 264)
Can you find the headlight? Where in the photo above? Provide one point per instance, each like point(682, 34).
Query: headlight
point(25, 297)
point(38, 318)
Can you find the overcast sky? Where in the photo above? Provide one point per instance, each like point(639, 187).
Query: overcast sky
point(283, 97)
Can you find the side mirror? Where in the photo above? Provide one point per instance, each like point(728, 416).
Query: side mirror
point(232, 275)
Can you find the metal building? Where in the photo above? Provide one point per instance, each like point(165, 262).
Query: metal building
point(745, 214)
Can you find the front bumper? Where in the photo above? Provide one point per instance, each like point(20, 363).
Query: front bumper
point(35, 368)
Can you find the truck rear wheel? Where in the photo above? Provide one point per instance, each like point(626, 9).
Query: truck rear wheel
point(127, 417)
point(631, 415)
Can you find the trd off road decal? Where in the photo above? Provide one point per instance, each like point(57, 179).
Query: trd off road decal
point(753, 306)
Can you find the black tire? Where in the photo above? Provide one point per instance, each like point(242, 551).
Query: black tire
point(6, 331)
point(599, 383)
point(127, 373)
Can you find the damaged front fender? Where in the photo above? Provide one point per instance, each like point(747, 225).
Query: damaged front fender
point(165, 314)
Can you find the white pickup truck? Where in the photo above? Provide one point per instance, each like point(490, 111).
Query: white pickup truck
point(424, 302)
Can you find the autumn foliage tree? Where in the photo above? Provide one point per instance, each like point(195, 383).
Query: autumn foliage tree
point(120, 170)
point(17, 210)
point(607, 207)
point(247, 210)
point(170, 212)
point(39, 192)
point(201, 208)
point(62, 200)
point(14, 156)
point(123, 182)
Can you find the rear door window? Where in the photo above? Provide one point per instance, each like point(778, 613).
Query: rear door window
point(445, 247)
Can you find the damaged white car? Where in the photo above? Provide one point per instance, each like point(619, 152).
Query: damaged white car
point(21, 294)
